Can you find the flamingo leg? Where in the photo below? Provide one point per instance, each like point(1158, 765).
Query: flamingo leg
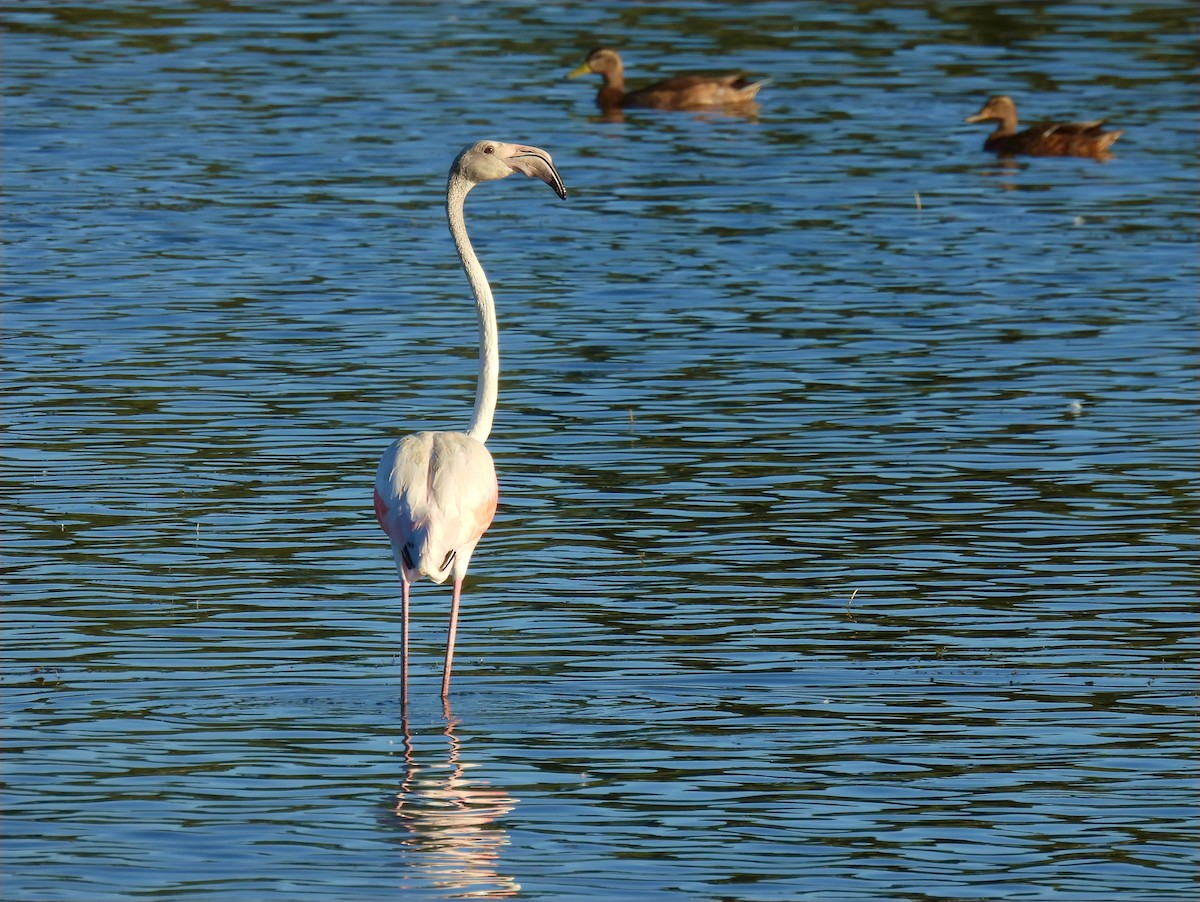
point(403, 640)
point(450, 637)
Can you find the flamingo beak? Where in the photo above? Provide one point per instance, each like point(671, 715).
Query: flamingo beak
point(537, 164)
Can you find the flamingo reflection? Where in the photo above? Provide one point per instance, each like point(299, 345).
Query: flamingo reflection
point(452, 820)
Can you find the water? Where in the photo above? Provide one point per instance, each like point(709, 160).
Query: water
point(847, 529)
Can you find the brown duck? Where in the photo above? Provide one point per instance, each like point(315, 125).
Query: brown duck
point(1046, 139)
point(683, 92)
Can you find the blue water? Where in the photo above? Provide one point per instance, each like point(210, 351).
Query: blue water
point(847, 536)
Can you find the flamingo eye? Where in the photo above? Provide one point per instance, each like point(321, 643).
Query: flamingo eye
point(489, 149)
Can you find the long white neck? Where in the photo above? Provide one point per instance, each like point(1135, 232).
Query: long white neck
point(489, 345)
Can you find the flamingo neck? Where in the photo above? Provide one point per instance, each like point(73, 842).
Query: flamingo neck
point(487, 387)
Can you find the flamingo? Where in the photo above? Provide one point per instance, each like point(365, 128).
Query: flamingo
point(435, 492)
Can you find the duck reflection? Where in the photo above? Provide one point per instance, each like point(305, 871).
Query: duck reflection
point(748, 111)
point(452, 820)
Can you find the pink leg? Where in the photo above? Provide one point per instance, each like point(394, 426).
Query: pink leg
point(450, 637)
point(403, 640)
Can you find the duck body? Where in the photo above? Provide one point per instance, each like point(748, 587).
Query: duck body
point(1046, 139)
point(682, 92)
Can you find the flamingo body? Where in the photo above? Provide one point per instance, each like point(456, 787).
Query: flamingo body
point(435, 496)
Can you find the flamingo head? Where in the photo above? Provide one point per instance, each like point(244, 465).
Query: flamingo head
point(486, 161)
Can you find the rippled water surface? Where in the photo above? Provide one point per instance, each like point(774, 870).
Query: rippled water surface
point(847, 537)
